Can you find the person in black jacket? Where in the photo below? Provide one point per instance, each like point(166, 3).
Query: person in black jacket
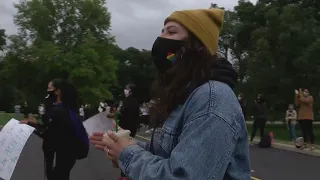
point(260, 116)
point(61, 130)
point(243, 104)
point(130, 110)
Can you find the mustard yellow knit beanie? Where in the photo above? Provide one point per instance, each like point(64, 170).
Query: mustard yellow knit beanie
point(205, 24)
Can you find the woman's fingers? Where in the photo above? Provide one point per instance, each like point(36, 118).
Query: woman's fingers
point(99, 147)
point(109, 154)
point(95, 138)
point(98, 134)
point(98, 143)
point(112, 135)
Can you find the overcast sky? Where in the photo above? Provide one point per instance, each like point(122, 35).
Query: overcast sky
point(135, 23)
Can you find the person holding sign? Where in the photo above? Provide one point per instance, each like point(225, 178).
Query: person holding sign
point(65, 135)
point(200, 129)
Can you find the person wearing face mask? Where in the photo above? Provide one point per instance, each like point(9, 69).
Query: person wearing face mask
point(304, 101)
point(129, 113)
point(200, 129)
point(130, 110)
point(260, 117)
point(64, 137)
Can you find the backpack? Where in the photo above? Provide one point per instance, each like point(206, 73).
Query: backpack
point(265, 142)
point(81, 137)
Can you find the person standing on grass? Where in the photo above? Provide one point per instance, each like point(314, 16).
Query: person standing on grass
point(81, 113)
point(260, 117)
point(26, 110)
point(17, 108)
point(291, 117)
point(305, 116)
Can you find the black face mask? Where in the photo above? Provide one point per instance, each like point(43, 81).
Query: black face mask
point(50, 99)
point(164, 52)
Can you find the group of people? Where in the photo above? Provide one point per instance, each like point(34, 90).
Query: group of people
point(199, 128)
point(304, 116)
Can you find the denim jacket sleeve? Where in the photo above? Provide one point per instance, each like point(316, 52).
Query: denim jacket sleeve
point(144, 145)
point(206, 144)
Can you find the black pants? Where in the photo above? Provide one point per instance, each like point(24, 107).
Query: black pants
point(64, 163)
point(258, 124)
point(306, 126)
point(145, 119)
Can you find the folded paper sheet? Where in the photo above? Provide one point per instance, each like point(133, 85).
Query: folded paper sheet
point(98, 123)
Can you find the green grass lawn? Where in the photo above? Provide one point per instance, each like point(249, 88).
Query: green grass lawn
point(5, 117)
point(281, 133)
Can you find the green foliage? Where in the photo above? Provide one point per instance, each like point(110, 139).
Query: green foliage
point(277, 47)
point(59, 38)
point(136, 67)
point(274, 45)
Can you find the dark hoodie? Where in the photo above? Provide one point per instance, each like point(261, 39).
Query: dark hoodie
point(224, 72)
point(129, 114)
point(260, 109)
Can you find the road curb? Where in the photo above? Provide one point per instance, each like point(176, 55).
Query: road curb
point(288, 147)
point(279, 123)
point(294, 149)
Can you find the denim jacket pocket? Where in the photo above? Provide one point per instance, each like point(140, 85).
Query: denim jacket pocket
point(168, 141)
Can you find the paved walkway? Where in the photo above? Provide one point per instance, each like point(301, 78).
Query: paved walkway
point(31, 167)
point(279, 122)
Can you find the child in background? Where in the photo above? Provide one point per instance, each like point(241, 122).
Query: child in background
point(291, 118)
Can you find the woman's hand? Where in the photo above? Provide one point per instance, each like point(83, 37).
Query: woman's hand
point(115, 144)
point(32, 119)
point(24, 121)
point(96, 140)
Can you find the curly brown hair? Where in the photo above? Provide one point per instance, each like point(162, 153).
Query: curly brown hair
point(193, 67)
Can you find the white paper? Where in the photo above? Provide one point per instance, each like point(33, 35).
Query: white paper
point(13, 138)
point(98, 123)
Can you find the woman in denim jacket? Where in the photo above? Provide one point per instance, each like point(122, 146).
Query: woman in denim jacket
point(201, 132)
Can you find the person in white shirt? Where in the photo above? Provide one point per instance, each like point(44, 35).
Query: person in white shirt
point(291, 118)
point(17, 111)
point(144, 109)
point(81, 113)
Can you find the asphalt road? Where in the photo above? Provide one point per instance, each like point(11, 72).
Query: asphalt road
point(267, 164)
point(31, 167)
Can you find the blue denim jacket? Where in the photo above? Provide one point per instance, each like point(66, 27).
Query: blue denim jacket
point(205, 138)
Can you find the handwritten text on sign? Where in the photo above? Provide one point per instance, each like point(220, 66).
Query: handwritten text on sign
point(13, 137)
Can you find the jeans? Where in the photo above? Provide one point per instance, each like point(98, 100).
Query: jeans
point(291, 130)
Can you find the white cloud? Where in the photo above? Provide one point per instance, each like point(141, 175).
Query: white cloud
point(135, 23)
